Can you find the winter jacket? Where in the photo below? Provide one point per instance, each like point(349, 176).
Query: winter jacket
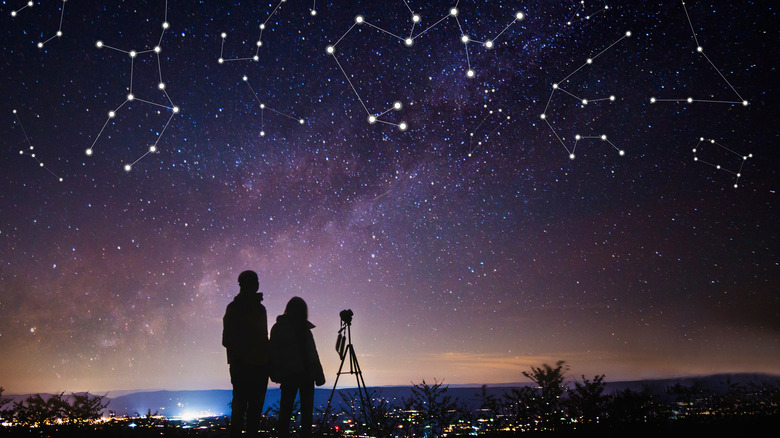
point(245, 330)
point(293, 352)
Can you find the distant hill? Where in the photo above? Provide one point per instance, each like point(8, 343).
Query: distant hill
point(203, 403)
point(216, 402)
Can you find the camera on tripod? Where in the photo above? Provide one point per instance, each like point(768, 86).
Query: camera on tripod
point(346, 316)
point(341, 340)
point(347, 354)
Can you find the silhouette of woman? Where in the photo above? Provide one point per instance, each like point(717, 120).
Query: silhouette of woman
point(295, 365)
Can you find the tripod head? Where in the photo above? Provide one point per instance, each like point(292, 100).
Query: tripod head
point(346, 316)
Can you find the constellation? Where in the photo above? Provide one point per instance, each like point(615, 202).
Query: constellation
point(408, 40)
point(57, 34)
point(700, 50)
point(580, 14)
point(29, 4)
point(474, 143)
point(259, 43)
point(264, 107)
point(742, 158)
point(30, 148)
point(583, 101)
point(131, 97)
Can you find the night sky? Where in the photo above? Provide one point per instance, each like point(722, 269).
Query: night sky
point(416, 184)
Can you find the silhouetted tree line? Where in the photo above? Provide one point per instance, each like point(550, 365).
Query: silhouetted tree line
point(37, 411)
point(78, 416)
point(550, 404)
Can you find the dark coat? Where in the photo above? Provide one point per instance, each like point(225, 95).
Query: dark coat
point(245, 330)
point(293, 352)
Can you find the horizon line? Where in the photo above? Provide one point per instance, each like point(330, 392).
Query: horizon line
point(275, 386)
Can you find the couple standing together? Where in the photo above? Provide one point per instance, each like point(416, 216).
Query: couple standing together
point(289, 358)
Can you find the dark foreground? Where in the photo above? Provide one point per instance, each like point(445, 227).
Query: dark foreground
point(743, 426)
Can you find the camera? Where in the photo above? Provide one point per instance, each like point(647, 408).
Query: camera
point(346, 316)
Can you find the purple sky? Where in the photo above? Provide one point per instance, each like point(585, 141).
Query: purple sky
point(469, 245)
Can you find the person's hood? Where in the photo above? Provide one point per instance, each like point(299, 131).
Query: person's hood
point(285, 319)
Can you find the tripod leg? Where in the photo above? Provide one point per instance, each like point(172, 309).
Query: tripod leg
point(332, 391)
point(361, 384)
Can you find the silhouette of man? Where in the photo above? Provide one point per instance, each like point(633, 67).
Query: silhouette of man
point(245, 336)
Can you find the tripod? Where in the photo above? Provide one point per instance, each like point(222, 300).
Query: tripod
point(347, 351)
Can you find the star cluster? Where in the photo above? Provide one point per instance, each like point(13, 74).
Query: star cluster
point(487, 185)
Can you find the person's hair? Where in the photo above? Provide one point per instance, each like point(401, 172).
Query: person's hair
point(297, 309)
point(246, 278)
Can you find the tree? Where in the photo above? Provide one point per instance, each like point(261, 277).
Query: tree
point(37, 411)
point(548, 379)
point(435, 407)
point(58, 409)
point(379, 418)
point(587, 400)
point(491, 410)
point(522, 406)
point(384, 416)
point(632, 407)
point(85, 407)
point(549, 384)
point(3, 401)
point(408, 420)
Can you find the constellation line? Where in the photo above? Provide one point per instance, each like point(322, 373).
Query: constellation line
point(700, 50)
point(264, 107)
point(742, 158)
point(29, 4)
point(30, 148)
point(259, 43)
point(375, 117)
point(57, 33)
point(577, 17)
point(583, 101)
point(156, 50)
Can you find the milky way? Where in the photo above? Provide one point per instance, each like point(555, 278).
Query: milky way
point(487, 185)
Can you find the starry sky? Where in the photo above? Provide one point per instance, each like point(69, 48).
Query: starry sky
point(416, 184)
